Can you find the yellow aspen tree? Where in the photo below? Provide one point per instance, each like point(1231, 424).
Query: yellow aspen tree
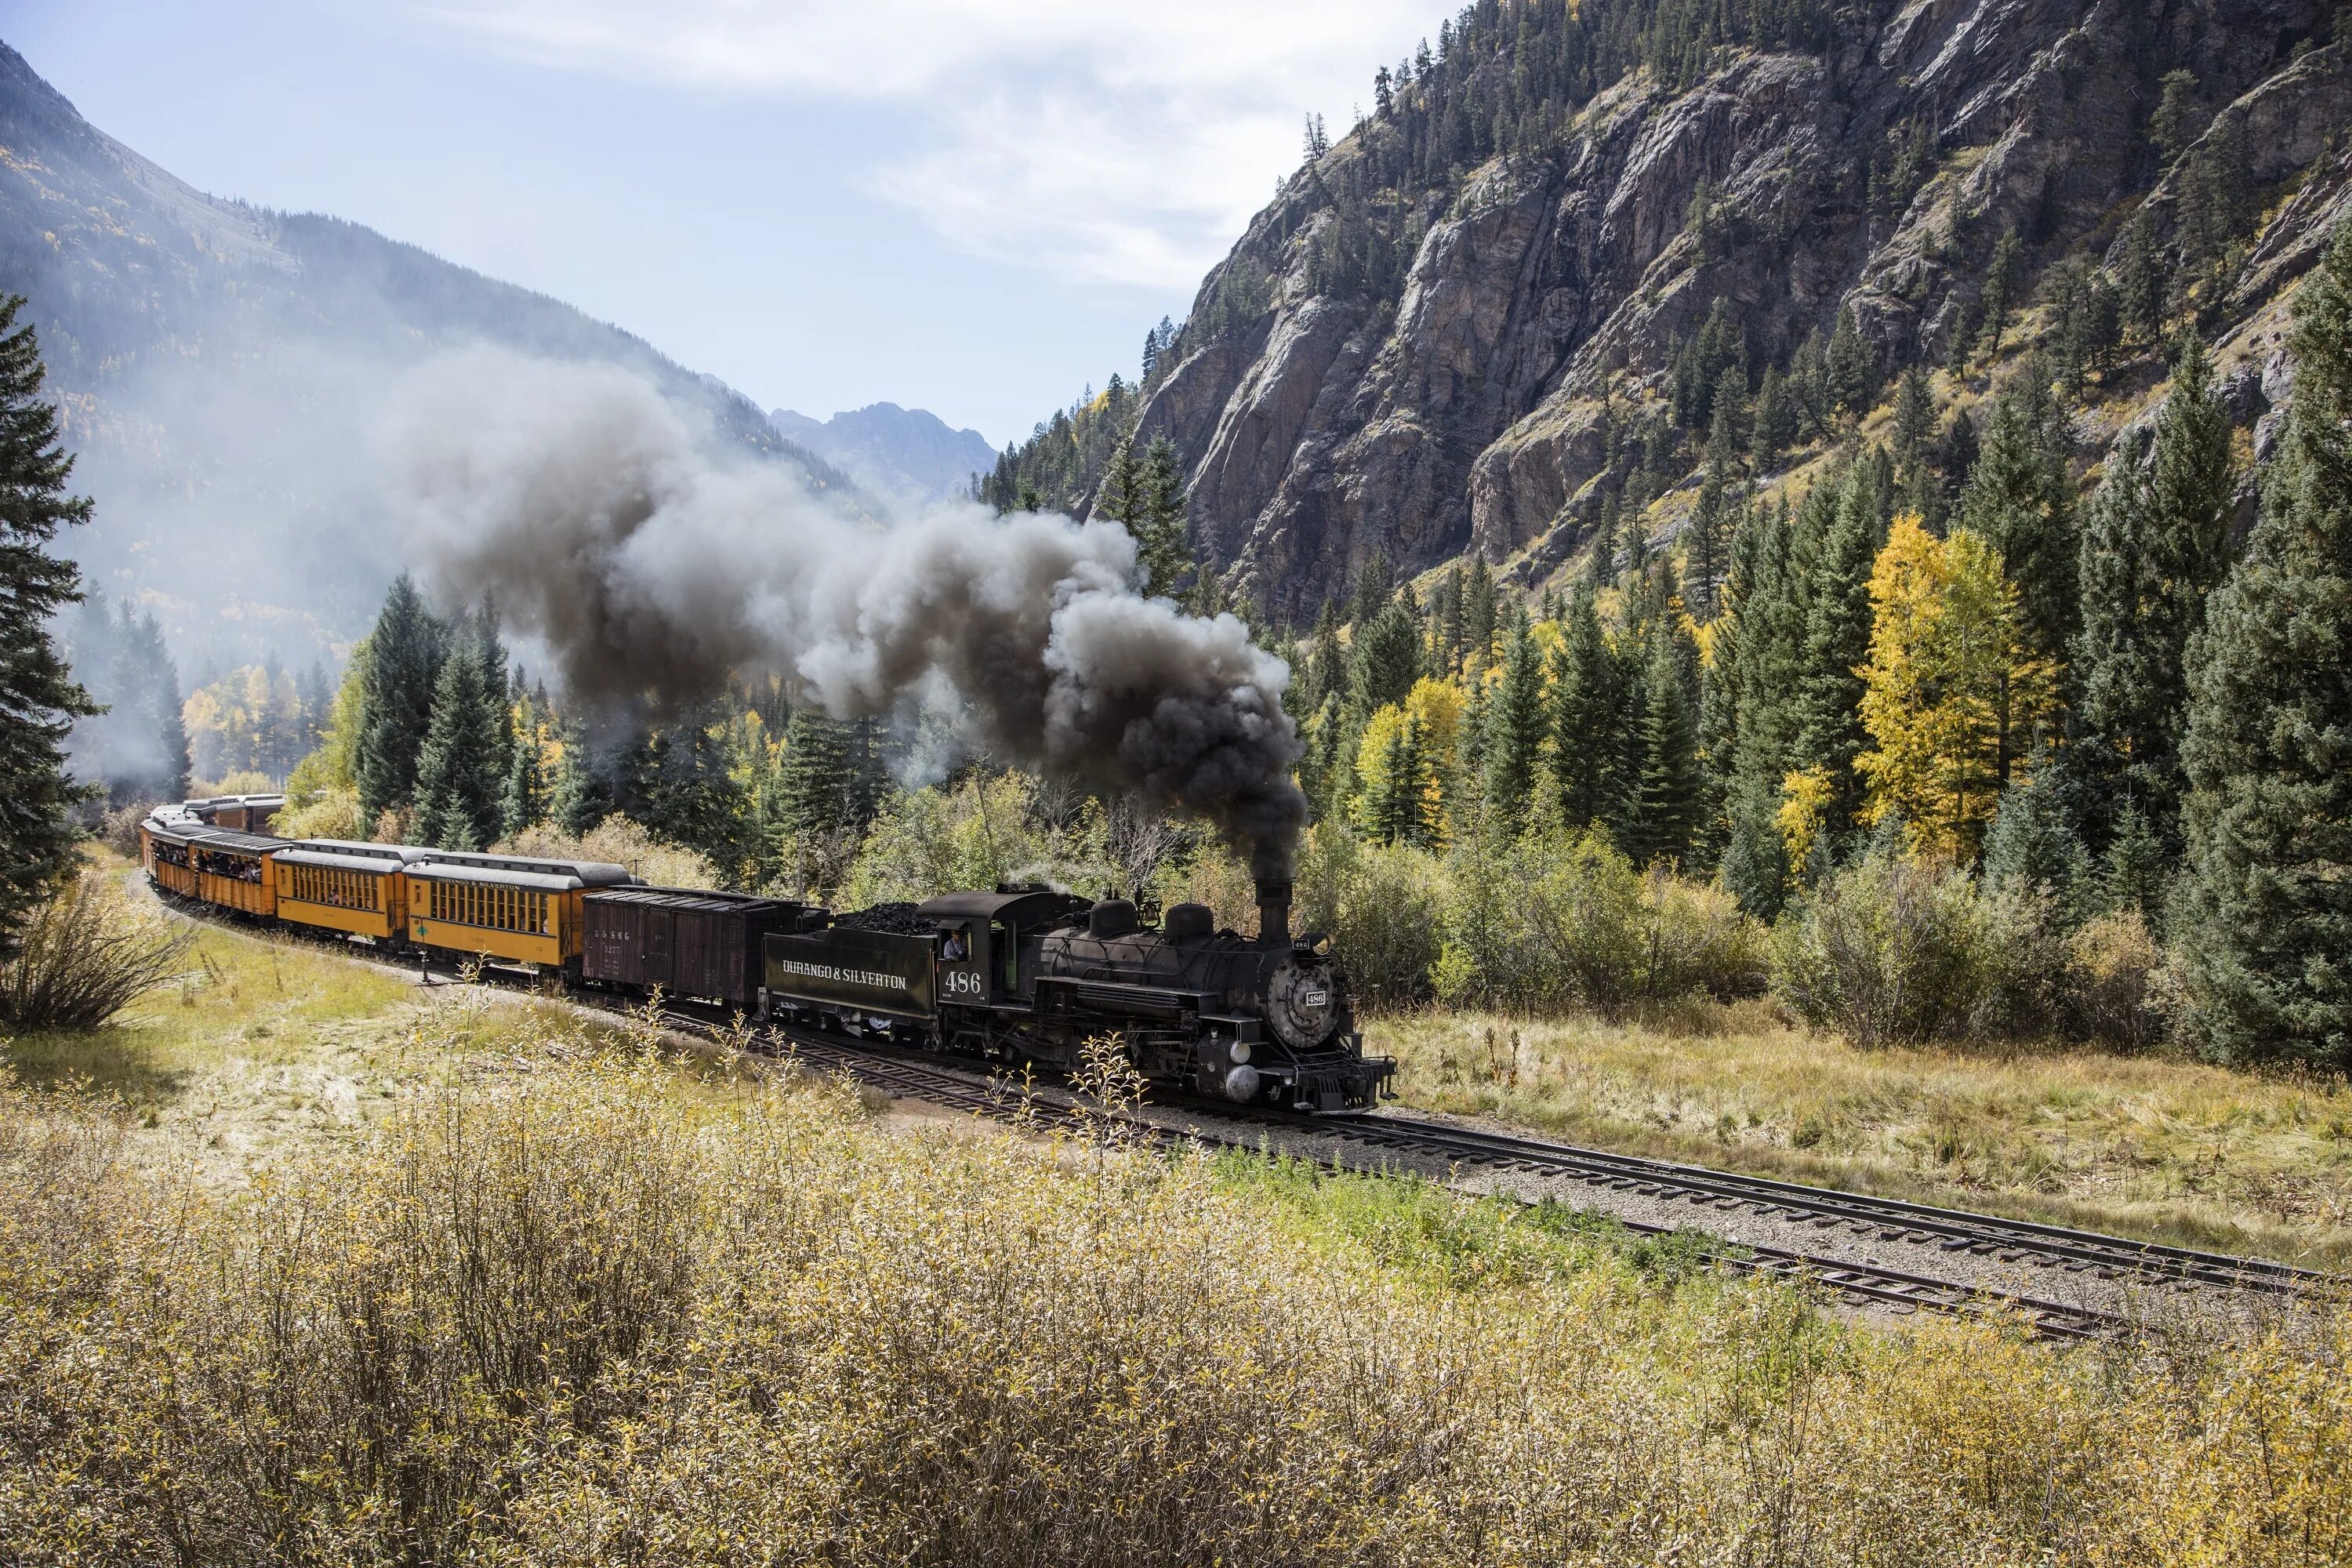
point(1949, 680)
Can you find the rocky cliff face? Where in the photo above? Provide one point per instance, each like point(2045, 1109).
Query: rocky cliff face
point(1480, 405)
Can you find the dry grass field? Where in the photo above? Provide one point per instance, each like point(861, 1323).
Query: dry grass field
point(2150, 1145)
point(470, 1280)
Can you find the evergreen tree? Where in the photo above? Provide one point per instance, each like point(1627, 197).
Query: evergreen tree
point(1601, 558)
point(524, 802)
point(581, 799)
point(2033, 845)
point(1585, 712)
point(1480, 610)
point(1388, 659)
point(2140, 282)
point(1668, 812)
point(460, 787)
point(1915, 441)
point(2004, 280)
point(688, 789)
point(38, 699)
point(2156, 544)
point(1852, 369)
point(1705, 541)
point(397, 690)
point(1841, 531)
point(2266, 916)
point(1773, 424)
point(814, 786)
point(2020, 500)
point(1163, 532)
point(1515, 726)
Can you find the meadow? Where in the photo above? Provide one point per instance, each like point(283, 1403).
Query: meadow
point(2152, 1144)
point(472, 1280)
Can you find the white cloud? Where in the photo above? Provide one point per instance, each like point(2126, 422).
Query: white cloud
point(1104, 141)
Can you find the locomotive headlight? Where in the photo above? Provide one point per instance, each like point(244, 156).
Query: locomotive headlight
point(1240, 1052)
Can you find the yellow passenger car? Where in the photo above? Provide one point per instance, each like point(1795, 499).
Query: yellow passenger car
point(232, 871)
point(337, 884)
point(504, 907)
point(163, 850)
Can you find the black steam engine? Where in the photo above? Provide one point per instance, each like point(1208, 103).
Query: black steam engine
point(1028, 975)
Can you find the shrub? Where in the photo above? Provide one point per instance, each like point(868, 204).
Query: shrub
point(332, 813)
point(1890, 949)
point(1583, 908)
point(986, 829)
point(615, 841)
point(1701, 940)
point(2113, 963)
point(118, 829)
point(1380, 904)
point(85, 955)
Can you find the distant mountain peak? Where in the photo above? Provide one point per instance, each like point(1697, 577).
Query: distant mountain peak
point(908, 454)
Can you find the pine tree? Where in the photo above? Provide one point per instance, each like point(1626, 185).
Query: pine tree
point(1853, 375)
point(1706, 541)
point(2004, 280)
point(524, 802)
point(1480, 610)
point(1669, 812)
point(2020, 500)
point(815, 786)
point(398, 684)
point(459, 784)
point(38, 699)
point(1585, 712)
point(1841, 533)
point(1115, 499)
point(2266, 917)
point(2033, 845)
point(1601, 557)
point(1515, 726)
point(1162, 533)
point(2140, 282)
point(581, 799)
point(1388, 659)
point(1773, 424)
point(2155, 545)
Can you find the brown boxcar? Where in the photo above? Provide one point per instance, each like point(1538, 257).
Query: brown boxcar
point(686, 941)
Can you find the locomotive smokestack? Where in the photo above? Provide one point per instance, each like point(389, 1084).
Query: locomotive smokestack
point(1273, 913)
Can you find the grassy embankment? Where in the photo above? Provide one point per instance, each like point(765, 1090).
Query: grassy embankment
point(2153, 1145)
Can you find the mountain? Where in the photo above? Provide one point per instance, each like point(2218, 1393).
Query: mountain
point(904, 453)
point(1484, 314)
point(217, 364)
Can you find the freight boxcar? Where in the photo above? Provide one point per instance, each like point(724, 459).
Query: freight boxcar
point(685, 941)
point(361, 890)
point(504, 907)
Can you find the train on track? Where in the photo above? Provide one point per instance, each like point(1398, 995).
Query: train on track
point(1023, 974)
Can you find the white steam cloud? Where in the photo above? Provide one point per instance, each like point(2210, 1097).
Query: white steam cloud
point(652, 564)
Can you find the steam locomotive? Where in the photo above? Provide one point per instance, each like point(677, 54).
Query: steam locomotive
point(1024, 975)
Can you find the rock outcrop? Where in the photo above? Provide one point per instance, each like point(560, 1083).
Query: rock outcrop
point(1473, 408)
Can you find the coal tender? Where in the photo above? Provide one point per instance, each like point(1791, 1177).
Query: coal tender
point(1026, 976)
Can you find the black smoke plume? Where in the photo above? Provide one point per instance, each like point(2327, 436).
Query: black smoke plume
point(652, 566)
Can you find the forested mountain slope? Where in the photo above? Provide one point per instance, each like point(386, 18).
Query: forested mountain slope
point(217, 363)
point(1482, 316)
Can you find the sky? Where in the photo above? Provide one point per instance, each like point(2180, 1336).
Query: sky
point(975, 208)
